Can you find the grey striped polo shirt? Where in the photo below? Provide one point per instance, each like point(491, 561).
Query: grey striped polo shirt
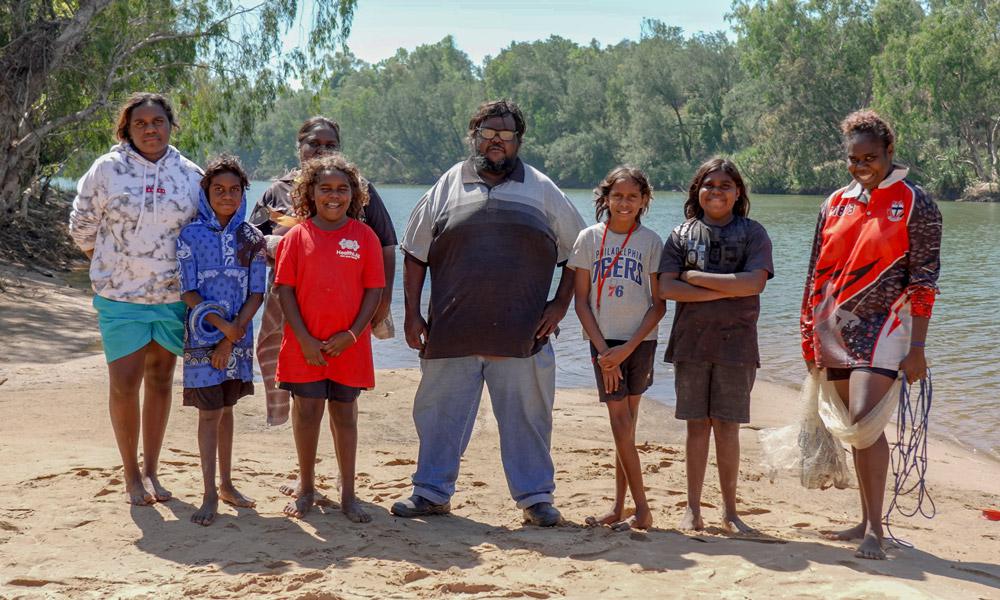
point(491, 253)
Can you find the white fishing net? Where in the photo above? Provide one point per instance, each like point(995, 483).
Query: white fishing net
point(807, 449)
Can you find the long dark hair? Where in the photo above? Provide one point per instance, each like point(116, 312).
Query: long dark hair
point(693, 209)
point(614, 176)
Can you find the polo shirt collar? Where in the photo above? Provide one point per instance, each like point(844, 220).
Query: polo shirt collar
point(854, 190)
point(469, 174)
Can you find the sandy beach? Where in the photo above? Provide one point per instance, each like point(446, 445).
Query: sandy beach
point(66, 532)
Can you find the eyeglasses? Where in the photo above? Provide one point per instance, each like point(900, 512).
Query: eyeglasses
point(488, 134)
point(316, 145)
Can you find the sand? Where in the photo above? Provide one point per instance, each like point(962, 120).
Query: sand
point(66, 532)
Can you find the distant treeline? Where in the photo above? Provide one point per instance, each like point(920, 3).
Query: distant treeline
point(772, 99)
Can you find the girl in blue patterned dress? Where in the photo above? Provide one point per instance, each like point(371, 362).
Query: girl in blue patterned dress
point(222, 268)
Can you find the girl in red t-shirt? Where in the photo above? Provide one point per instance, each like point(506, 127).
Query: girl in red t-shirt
point(329, 277)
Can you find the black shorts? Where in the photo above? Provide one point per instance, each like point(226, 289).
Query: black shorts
point(836, 374)
point(709, 390)
point(325, 388)
point(218, 396)
point(637, 370)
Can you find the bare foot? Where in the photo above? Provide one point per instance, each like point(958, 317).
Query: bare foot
point(300, 507)
point(734, 524)
point(232, 497)
point(640, 520)
point(854, 533)
point(871, 547)
point(691, 520)
point(205, 515)
point(291, 489)
point(613, 516)
point(136, 494)
point(354, 512)
point(152, 485)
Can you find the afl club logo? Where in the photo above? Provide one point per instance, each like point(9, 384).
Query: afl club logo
point(896, 211)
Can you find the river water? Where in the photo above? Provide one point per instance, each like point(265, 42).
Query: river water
point(964, 331)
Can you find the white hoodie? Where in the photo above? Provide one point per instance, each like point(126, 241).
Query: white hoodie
point(129, 211)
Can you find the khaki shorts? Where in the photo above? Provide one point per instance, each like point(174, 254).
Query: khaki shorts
point(709, 390)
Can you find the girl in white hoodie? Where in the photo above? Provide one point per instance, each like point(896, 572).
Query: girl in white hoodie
point(130, 207)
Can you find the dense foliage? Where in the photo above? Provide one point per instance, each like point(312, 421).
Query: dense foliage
point(772, 98)
point(66, 64)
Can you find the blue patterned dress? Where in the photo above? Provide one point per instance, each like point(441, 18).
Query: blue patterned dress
point(225, 266)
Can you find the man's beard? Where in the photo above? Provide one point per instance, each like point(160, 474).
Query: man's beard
point(503, 167)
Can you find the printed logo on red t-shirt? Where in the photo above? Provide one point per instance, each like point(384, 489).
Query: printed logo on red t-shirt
point(349, 249)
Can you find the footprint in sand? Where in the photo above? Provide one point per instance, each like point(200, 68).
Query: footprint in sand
point(801, 525)
point(753, 511)
point(396, 462)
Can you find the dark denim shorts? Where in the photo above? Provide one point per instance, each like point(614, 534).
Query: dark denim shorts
point(637, 370)
point(709, 390)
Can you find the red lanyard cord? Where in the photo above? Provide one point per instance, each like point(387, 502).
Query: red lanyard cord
point(602, 275)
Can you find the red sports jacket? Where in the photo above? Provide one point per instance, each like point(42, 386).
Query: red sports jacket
point(875, 263)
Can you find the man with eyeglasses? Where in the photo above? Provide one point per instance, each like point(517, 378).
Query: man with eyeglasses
point(317, 136)
point(492, 231)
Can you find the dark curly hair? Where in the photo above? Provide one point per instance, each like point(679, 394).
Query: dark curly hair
point(224, 163)
point(306, 178)
point(867, 122)
point(693, 209)
point(617, 174)
point(135, 101)
point(497, 108)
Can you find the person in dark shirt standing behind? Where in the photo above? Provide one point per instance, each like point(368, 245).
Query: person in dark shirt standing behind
point(317, 136)
point(491, 231)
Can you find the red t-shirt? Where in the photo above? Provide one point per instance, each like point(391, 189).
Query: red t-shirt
point(330, 271)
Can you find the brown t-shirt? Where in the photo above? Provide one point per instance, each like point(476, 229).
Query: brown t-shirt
point(276, 197)
point(721, 331)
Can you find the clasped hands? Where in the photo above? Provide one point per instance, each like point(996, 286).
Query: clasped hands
point(314, 349)
point(610, 363)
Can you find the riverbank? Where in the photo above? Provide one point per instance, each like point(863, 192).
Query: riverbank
point(65, 530)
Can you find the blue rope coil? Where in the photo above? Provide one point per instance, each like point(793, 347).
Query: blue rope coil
point(202, 332)
point(908, 455)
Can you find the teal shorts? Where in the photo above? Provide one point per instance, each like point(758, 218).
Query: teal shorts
point(127, 326)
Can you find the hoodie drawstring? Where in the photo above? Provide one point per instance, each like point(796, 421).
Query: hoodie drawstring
point(142, 205)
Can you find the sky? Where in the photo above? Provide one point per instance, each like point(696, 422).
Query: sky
point(481, 28)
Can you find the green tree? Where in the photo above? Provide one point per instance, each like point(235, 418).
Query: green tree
point(806, 66)
point(66, 63)
point(938, 83)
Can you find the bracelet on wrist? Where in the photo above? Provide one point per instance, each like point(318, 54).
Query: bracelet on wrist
point(918, 344)
point(352, 335)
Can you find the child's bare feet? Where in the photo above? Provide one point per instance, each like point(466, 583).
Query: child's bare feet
point(205, 515)
point(691, 520)
point(291, 489)
point(871, 547)
point(642, 519)
point(301, 506)
point(152, 485)
point(734, 524)
point(354, 512)
point(231, 496)
point(613, 516)
point(854, 533)
point(136, 494)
